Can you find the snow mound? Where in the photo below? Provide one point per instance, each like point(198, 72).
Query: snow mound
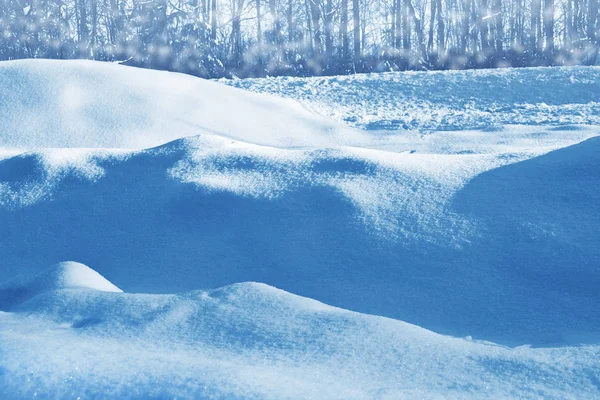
point(251, 340)
point(49, 103)
point(71, 275)
point(64, 275)
point(371, 230)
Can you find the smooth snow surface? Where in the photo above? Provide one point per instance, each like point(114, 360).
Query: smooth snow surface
point(481, 235)
point(64, 275)
point(89, 104)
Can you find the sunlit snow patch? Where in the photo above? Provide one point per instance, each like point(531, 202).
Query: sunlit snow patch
point(64, 275)
point(49, 103)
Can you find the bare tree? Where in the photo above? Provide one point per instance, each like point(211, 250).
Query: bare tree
point(356, 27)
point(549, 25)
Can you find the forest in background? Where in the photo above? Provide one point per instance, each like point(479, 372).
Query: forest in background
point(226, 38)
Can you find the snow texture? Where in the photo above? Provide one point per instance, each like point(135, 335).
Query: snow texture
point(486, 237)
point(447, 100)
point(250, 340)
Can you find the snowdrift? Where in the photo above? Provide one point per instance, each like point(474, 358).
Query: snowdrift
point(489, 235)
point(250, 340)
point(64, 275)
point(399, 240)
point(89, 104)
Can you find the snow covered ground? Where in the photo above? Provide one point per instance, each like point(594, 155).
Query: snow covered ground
point(447, 100)
point(458, 259)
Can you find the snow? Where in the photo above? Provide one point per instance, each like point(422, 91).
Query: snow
point(250, 340)
point(64, 275)
point(103, 105)
point(447, 100)
point(393, 264)
point(68, 275)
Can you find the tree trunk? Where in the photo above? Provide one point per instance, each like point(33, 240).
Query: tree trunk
point(236, 31)
point(577, 26)
point(568, 34)
point(328, 21)
point(315, 13)
point(84, 35)
point(486, 44)
point(431, 39)
point(520, 26)
point(593, 16)
point(290, 18)
point(441, 28)
point(309, 26)
point(418, 29)
point(535, 24)
point(498, 26)
point(549, 25)
point(94, 25)
point(273, 5)
point(405, 28)
point(465, 26)
point(259, 37)
point(344, 30)
point(213, 23)
point(356, 25)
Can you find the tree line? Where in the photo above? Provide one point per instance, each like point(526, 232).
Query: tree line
point(215, 38)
